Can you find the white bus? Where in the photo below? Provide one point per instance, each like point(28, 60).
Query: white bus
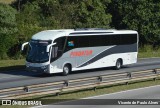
point(54, 51)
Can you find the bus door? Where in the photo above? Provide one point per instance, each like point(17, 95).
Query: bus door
point(54, 54)
point(57, 52)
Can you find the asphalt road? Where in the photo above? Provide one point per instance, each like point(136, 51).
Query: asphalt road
point(10, 79)
point(146, 94)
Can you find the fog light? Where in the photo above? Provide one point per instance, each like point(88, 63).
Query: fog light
point(43, 67)
point(45, 70)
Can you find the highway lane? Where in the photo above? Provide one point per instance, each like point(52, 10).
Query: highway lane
point(23, 78)
point(149, 93)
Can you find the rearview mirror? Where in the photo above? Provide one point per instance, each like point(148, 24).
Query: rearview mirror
point(22, 48)
point(48, 47)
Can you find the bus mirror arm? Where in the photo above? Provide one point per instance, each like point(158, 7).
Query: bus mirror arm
point(22, 48)
point(48, 47)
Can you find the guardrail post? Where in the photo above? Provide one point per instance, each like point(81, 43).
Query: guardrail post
point(66, 83)
point(100, 78)
point(155, 72)
point(57, 94)
point(94, 88)
point(129, 75)
point(26, 89)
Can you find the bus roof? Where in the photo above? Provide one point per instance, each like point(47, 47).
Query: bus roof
point(53, 34)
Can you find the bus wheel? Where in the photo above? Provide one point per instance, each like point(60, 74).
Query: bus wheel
point(66, 69)
point(118, 64)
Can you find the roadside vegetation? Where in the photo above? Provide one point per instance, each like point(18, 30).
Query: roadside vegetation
point(12, 64)
point(20, 19)
point(148, 51)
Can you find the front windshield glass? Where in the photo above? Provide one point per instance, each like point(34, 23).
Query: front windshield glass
point(37, 52)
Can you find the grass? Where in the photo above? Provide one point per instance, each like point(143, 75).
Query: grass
point(6, 1)
point(12, 64)
point(147, 51)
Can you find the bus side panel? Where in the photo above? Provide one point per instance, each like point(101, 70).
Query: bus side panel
point(77, 57)
point(57, 66)
point(85, 58)
point(100, 57)
point(109, 61)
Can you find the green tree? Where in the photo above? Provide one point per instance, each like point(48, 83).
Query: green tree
point(18, 4)
point(7, 28)
point(46, 14)
point(140, 15)
point(56, 14)
point(28, 20)
point(91, 14)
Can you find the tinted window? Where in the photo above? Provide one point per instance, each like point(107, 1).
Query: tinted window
point(100, 40)
point(57, 49)
point(60, 42)
point(83, 41)
point(97, 41)
point(128, 38)
point(37, 52)
point(72, 42)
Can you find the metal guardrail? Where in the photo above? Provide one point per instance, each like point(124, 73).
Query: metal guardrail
point(78, 84)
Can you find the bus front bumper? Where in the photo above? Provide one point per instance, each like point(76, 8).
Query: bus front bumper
point(43, 69)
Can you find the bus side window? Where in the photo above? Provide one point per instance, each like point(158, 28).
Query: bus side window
point(71, 43)
point(54, 52)
point(129, 38)
point(60, 44)
point(83, 41)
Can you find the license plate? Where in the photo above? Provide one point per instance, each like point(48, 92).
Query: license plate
point(34, 70)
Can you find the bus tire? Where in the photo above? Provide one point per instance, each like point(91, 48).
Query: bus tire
point(118, 64)
point(66, 69)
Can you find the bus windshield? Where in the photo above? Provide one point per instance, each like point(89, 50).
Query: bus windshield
point(37, 51)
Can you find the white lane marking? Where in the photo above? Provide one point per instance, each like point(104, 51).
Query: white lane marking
point(103, 95)
point(122, 91)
